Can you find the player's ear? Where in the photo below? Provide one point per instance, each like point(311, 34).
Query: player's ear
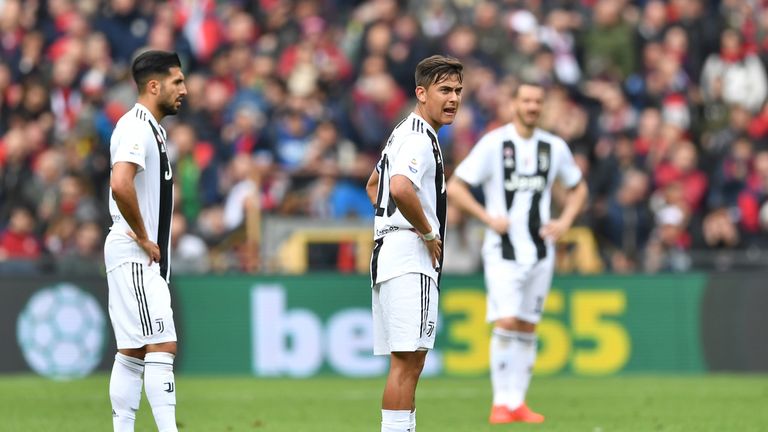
point(421, 94)
point(154, 87)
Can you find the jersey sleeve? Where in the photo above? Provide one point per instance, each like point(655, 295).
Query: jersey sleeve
point(475, 169)
point(130, 146)
point(414, 158)
point(567, 171)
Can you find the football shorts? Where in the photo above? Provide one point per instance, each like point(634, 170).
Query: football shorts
point(139, 306)
point(404, 314)
point(517, 290)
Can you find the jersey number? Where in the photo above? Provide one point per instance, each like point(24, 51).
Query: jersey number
point(390, 203)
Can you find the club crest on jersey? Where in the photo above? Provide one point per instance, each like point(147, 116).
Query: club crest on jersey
point(543, 161)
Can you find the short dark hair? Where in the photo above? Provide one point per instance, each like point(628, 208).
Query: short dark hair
point(527, 83)
point(437, 68)
point(152, 63)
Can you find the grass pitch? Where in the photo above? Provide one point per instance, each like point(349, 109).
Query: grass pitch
point(213, 404)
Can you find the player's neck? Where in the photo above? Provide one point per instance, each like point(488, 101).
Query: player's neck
point(153, 109)
point(524, 131)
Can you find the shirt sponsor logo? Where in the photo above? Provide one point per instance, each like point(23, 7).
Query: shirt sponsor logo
point(535, 183)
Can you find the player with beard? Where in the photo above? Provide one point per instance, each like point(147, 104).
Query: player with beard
point(516, 165)
point(137, 248)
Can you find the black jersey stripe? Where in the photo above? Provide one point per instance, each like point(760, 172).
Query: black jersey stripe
point(375, 260)
point(543, 162)
point(509, 164)
point(165, 207)
point(441, 198)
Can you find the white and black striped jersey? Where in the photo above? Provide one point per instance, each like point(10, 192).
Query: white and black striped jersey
point(138, 138)
point(516, 175)
point(413, 151)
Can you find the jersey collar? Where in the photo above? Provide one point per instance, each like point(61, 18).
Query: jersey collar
point(513, 131)
point(426, 123)
point(156, 123)
point(141, 107)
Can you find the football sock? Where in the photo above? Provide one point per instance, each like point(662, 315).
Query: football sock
point(160, 386)
point(513, 354)
point(396, 421)
point(412, 421)
point(125, 391)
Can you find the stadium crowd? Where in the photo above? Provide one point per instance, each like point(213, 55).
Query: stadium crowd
point(663, 103)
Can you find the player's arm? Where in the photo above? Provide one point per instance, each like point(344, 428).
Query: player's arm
point(575, 198)
point(460, 196)
point(372, 187)
point(403, 192)
point(124, 193)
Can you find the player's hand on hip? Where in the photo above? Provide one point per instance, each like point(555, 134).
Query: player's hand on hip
point(151, 248)
point(500, 224)
point(554, 229)
point(435, 248)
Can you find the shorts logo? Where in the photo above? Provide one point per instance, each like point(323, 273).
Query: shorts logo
point(169, 387)
point(160, 325)
point(430, 328)
point(412, 166)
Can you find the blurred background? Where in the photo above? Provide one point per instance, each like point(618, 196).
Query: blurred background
point(662, 102)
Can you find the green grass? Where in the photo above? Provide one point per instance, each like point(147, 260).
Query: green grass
point(627, 403)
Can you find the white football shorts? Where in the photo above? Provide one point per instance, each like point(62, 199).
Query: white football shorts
point(517, 290)
point(404, 314)
point(139, 306)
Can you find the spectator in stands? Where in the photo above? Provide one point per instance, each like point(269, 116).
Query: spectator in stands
point(85, 257)
point(608, 43)
point(250, 64)
point(734, 75)
point(627, 223)
point(720, 226)
point(557, 35)
point(190, 253)
point(752, 203)
point(682, 169)
point(19, 246)
point(15, 171)
point(667, 248)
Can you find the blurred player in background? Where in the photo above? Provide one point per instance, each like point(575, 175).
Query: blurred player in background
point(516, 165)
point(407, 188)
point(137, 248)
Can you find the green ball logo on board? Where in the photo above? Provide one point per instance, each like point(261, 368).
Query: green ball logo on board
point(61, 332)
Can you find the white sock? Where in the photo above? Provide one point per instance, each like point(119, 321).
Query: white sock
point(125, 391)
point(412, 421)
point(513, 354)
point(161, 389)
point(396, 421)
